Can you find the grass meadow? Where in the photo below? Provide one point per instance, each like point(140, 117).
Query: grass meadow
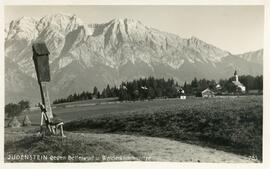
point(230, 124)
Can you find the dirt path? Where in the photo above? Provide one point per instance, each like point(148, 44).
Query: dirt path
point(143, 148)
point(161, 149)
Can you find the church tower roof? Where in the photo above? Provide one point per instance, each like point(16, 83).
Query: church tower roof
point(235, 73)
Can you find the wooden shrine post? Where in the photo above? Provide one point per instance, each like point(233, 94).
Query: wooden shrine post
point(41, 61)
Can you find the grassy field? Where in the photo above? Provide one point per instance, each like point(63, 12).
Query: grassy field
point(230, 124)
point(90, 108)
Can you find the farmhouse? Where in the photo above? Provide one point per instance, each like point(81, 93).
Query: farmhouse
point(208, 93)
point(181, 93)
point(238, 84)
point(218, 87)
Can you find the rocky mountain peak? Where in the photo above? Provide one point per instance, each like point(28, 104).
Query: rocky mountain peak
point(22, 28)
point(212, 52)
point(61, 22)
point(86, 55)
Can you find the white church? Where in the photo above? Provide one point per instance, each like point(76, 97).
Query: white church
point(238, 84)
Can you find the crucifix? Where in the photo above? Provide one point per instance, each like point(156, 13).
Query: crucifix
point(41, 61)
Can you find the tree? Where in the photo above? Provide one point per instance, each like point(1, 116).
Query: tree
point(224, 84)
point(194, 86)
point(259, 82)
point(212, 84)
point(123, 95)
point(185, 86)
point(159, 92)
point(104, 93)
point(114, 91)
point(108, 91)
point(194, 83)
point(231, 88)
point(12, 110)
point(98, 95)
point(202, 84)
point(151, 93)
point(24, 104)
point(95, 91)
point(136, 94)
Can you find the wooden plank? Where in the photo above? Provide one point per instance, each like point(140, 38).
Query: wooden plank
point(45, 98)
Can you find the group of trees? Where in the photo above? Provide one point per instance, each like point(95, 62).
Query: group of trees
point(150, 88)
point(85, 95)
point(143, 88)
point(75, 97)
point(15, 109)
point(196, 86)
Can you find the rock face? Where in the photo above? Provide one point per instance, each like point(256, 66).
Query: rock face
point(26, 121)
point(14, 123)
point(88, 55)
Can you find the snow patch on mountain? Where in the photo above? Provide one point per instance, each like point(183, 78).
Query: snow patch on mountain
point(114, 51)
point(176, 64)
point(60, 22)
point(63, 62)
point(23, 28)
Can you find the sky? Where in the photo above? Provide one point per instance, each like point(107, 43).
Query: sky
point(237, 29)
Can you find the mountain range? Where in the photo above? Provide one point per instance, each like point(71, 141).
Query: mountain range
point(86, 55)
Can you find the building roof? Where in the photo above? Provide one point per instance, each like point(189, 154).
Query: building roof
point(237, 83)
point(40, 48)
point(207, 90)
point(179, 89)
point(235, 73)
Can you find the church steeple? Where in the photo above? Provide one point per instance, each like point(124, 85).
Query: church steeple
point(235, 72)
point(236, 76)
